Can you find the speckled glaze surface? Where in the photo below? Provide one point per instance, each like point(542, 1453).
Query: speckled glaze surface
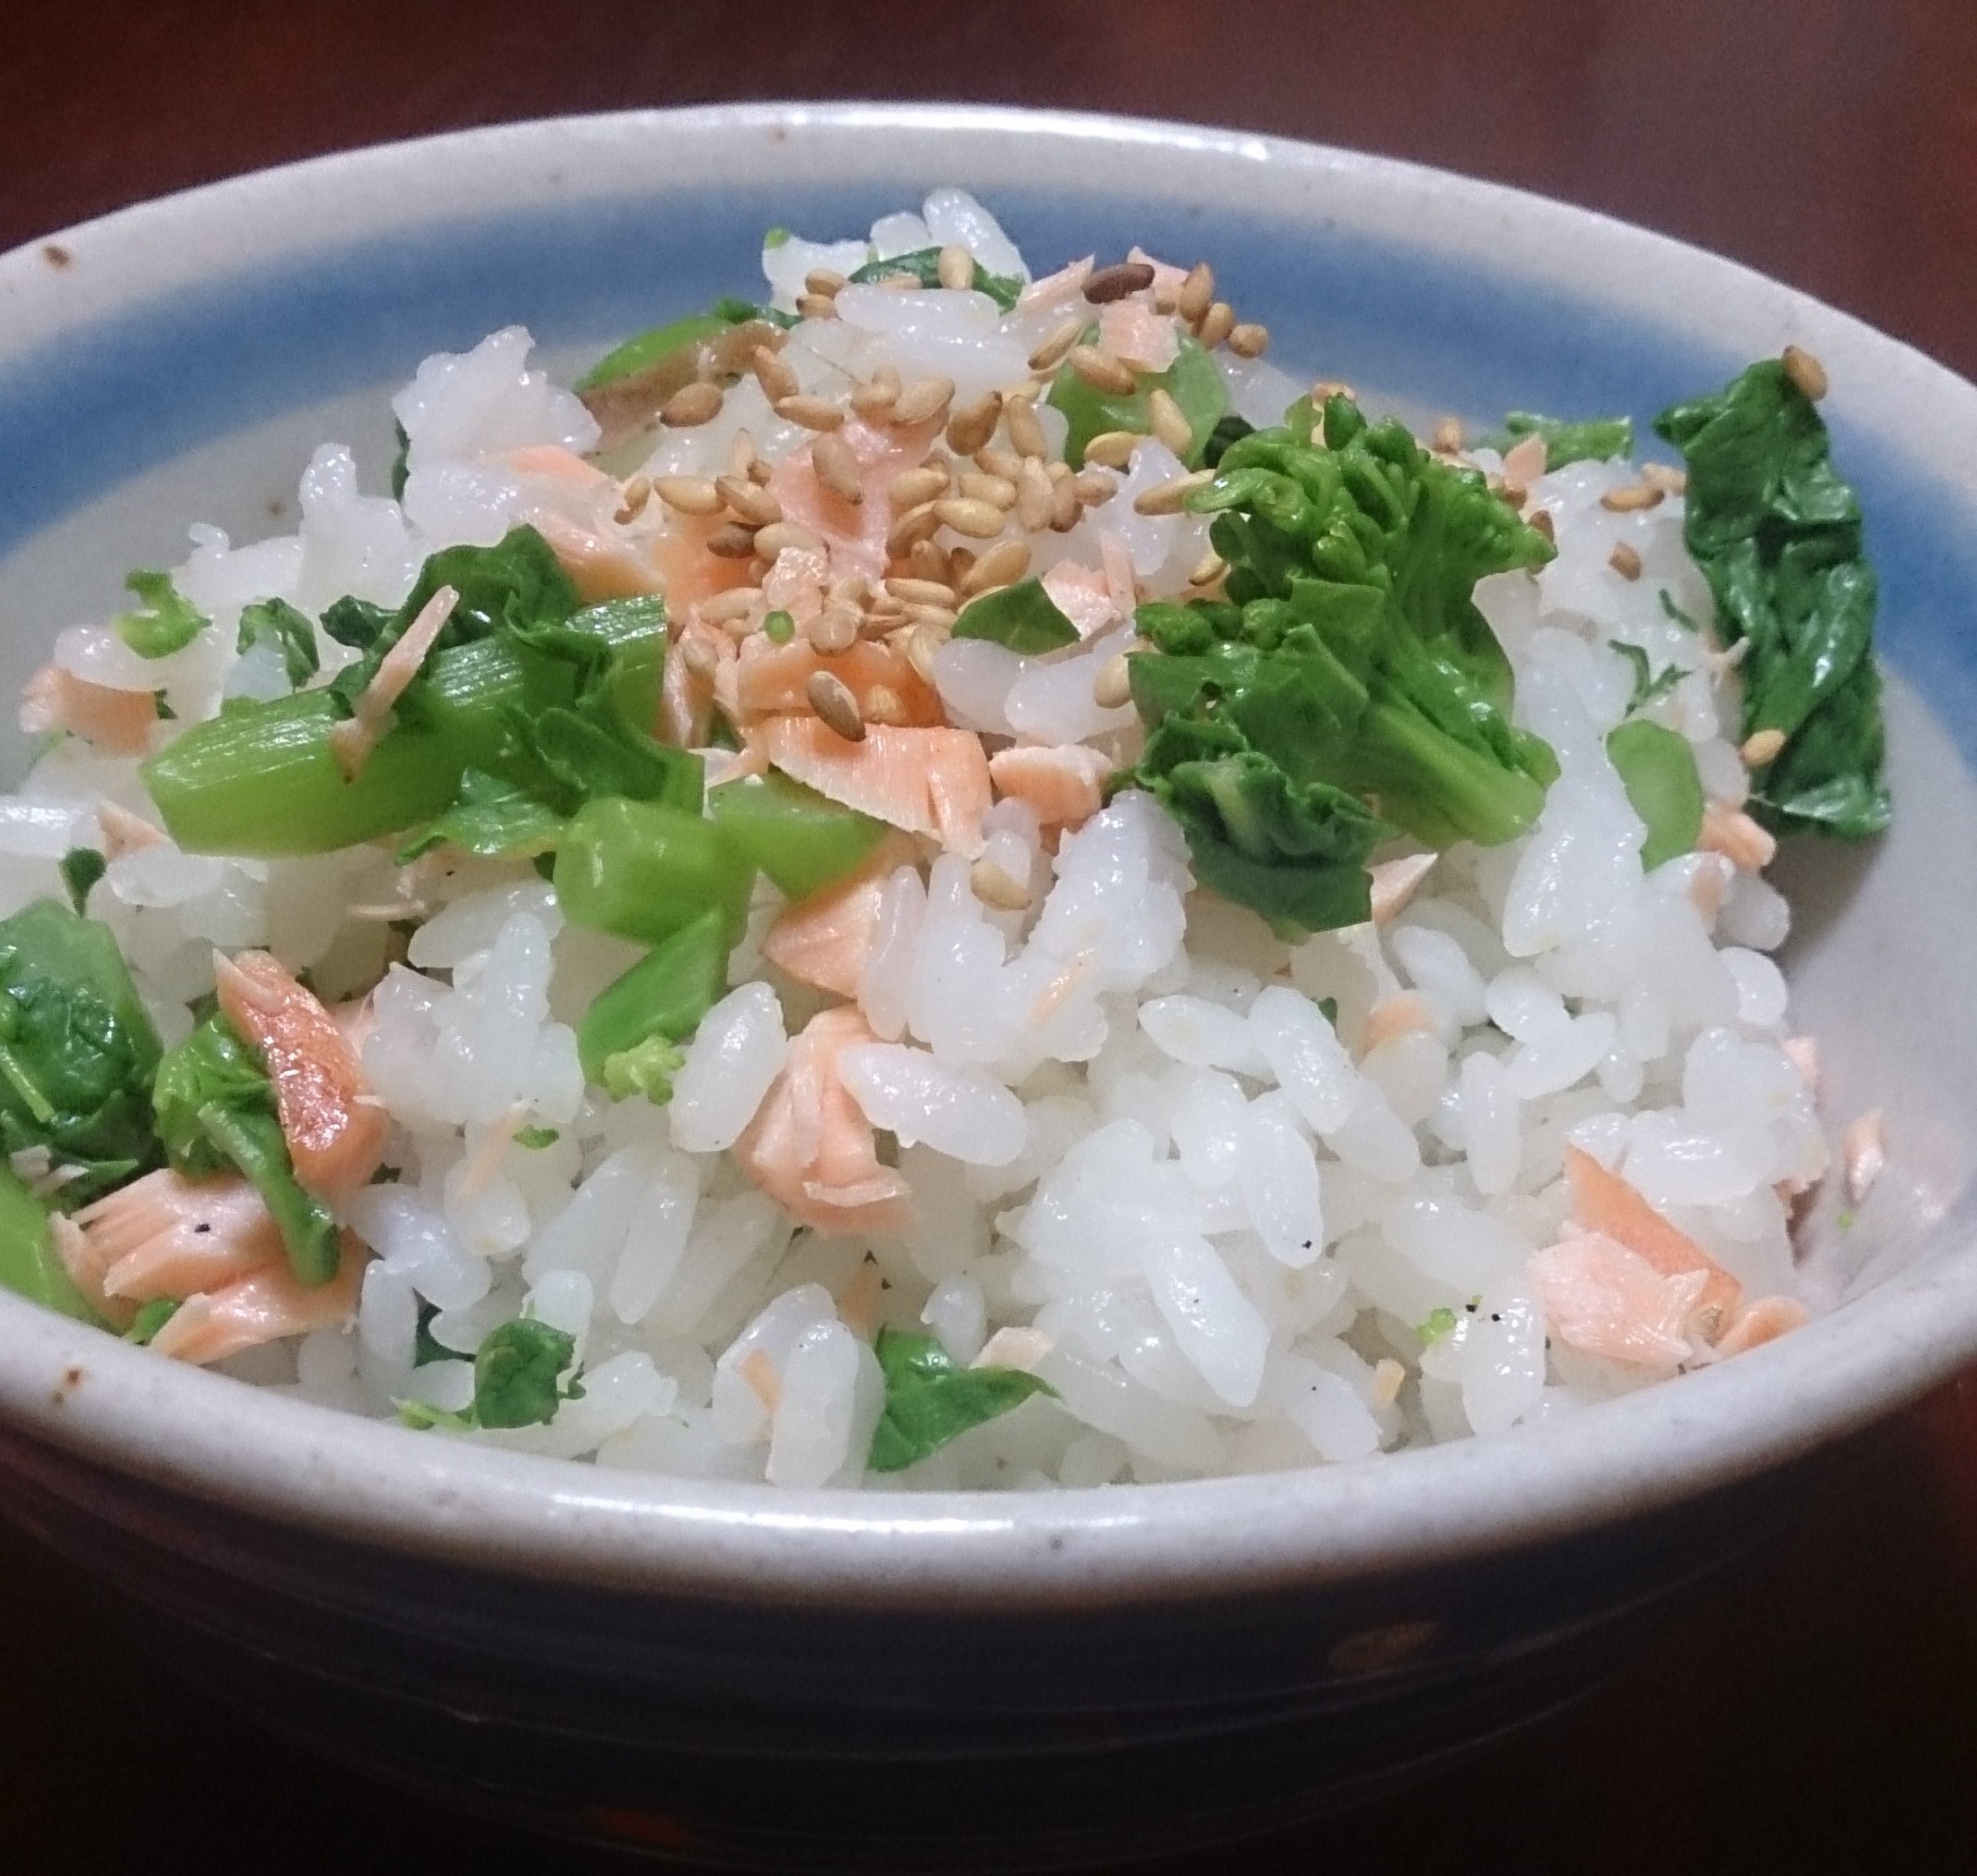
point(828, 1681)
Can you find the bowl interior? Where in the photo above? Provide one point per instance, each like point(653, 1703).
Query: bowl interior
point(180, 362)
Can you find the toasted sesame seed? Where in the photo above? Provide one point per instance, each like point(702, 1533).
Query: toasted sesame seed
point(812, 414)
point(930, 560)
point(638, 491)
point(1112, 686)
point(995, 886)
point(993, 459)
point(830, 697)
point(1761, 746)
point(940, 617)
point(1096, 487)
point(817, 305)
point(1448, 435)
point(1168, 498)
point(1169, 421)
point(1064, 503)
point(884, 705)
point(700, 658)
point(1513, 492)
point(1805, 371)
point(837, 468)
point(1197, 293)
point(1001, 565)
point(954, 268)
point(1036, 499)
point(1052, 353)
point(826, 280)
point(878, 394)
point(740, 453)
point(774, 373)
point(1101, 370)
point(998, 490)
point(918, 523)
point(1208, 570)
point(1118, 280)
point(833, 629)
point(911, 487)
point(921, 644)
point(691, 404)
point(922, 401)
point(690, 494)
point(980, 520)
point(971, 426)
point(1249, 340)
point(1025, 428)
point(1541, 520)
point(1217, 324)
point(755, 506)
point(759, 473)
point(921, 592)
point(1625, 561)
point(1671, 481)
point(784, 537)
point(731, 541)
point(1633, 497)
point(1113, 449)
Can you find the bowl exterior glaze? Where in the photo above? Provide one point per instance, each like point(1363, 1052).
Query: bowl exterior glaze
point(810, 1680)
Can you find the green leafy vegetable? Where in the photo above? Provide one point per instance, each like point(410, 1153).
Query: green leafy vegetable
point(535, 1138)
point(425, 1348)
point(1670, 610)
point(929, 1400)
point(488, 817)
point(1193, 381)
point(400, 460)
point(923, 264)
point(1348, 680)
point(1022, 617)
point(216, 1113)
point(80, 869)
point(1597, 440)
point(165, 624)
point(30, 1265)
point(1657, 768)
point(801, 839)
point(77, 1051)
point(1778, 536)
point(517, 1374)
point(1438, 1324)
point(274, 621)
point(660, 999)
point(1647, 688)
point(150, 1318)
point(642, 871)
point(678, 336)
point(1228, 430)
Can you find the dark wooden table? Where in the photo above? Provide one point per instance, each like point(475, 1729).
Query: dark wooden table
point(1816, 1709)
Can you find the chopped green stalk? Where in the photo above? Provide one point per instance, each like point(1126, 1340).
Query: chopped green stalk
point(77, 1051)
point(647, 349)
point(1193, 381)
point(642, 871)
point(274, 621)
point(1596, 440)
point(800, 840)
point(150, 1318)
point(1023, 617)
point(517, 1374)
point(929, 1400)
point(216, 1113)
point(30, 1265)
point(923, 264)
point(1657, 767)
point(82, 868)
point(165, 624)
point(1778, 536)
point(663, 995)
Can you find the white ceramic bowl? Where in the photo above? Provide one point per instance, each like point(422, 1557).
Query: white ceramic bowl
point(814, 1678)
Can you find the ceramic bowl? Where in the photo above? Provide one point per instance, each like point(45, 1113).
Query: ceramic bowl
point(810, 1680)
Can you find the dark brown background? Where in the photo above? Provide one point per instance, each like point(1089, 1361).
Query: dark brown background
point(1814, 1710)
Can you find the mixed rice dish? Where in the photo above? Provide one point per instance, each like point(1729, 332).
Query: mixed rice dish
point(948, 878)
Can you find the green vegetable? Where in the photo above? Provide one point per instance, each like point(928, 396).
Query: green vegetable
point(1596, 440)
point(1023, 617)
point(1670, 610)
point(77, 1051)
point(662, 997)
point(928, 1401)
point(800, 840)
point(400, 460)
point(1778, 536)
point(1439, 1323)
point(517, 1374)
point(30, 1265)
point(649, 348)
point(488, 817)
point(1193, 381)
point(150, 1318)
point(165, 624)
point(1657, 768)
point(923, 264)
point(647, 1069)
point(1647, 688)
point(216, 1113)
point(80, 869)
point(276, 623)
point(1230, 429)
point(425, 1348)
point(642, 871)
point(262, 778)
point(535, 1138)
point(1348, 680)
point(778, 627)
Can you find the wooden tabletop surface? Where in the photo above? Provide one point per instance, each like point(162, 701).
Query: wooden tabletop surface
point(1814, 1710)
